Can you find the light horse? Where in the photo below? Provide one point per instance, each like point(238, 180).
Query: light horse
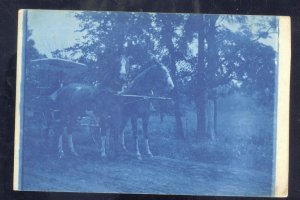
point(155, 79)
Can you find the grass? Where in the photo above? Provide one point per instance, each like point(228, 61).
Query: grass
point(244, 137)
point(238, 161)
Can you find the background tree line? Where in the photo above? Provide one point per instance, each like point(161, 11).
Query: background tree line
point(209, 56)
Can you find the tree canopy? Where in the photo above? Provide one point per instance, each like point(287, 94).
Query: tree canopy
point(208, 55)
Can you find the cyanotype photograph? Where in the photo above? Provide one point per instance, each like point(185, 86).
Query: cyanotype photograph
point(148, 103)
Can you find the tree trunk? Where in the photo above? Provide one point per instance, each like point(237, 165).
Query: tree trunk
point(200, 108)
point(210, 117)
point(212, 57)
point(215, 115)
point(179, 130)
point(179, 134)
point(200, 82)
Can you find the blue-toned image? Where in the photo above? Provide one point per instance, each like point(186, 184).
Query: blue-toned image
point(117, 102)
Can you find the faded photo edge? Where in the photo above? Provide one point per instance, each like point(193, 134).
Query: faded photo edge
point(283, 106)
point(18, 105)
point(282, 119)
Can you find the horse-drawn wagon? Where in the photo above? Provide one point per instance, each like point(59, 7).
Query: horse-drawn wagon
point(45, 77)
point(106, 109)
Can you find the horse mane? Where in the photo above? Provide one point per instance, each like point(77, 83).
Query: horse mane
point(143, 74)
point(140, 77)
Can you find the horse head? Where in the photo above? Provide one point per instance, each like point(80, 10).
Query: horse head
point(161, 78)
point(156, 78)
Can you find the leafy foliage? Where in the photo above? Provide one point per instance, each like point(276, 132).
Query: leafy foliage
point(211, 54)
point(33, 76)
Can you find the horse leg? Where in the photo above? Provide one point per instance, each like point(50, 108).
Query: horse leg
point(60, 129)
point(70, 139)
point(146, 135)
point(61, 153)
point(123, 124)
point(71, 145)
point(103, 131)
point(135, 134)
point(103, 143)
point(161, 117)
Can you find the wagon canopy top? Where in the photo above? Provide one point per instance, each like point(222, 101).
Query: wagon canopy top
point(71, 68)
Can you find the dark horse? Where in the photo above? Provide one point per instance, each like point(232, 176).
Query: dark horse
point(111, 109)
point(155, 79)
point(74, 100)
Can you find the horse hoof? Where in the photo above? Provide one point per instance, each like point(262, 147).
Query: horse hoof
point(103, 155)
point(125, 151)
point(150, 155)
point(74, 153)
point(139, 157)
point(61, 155)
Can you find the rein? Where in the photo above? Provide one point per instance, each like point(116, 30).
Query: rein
point(130, 102)
point(142, 98)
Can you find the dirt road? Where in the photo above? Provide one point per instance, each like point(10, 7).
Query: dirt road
point(157, 175)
